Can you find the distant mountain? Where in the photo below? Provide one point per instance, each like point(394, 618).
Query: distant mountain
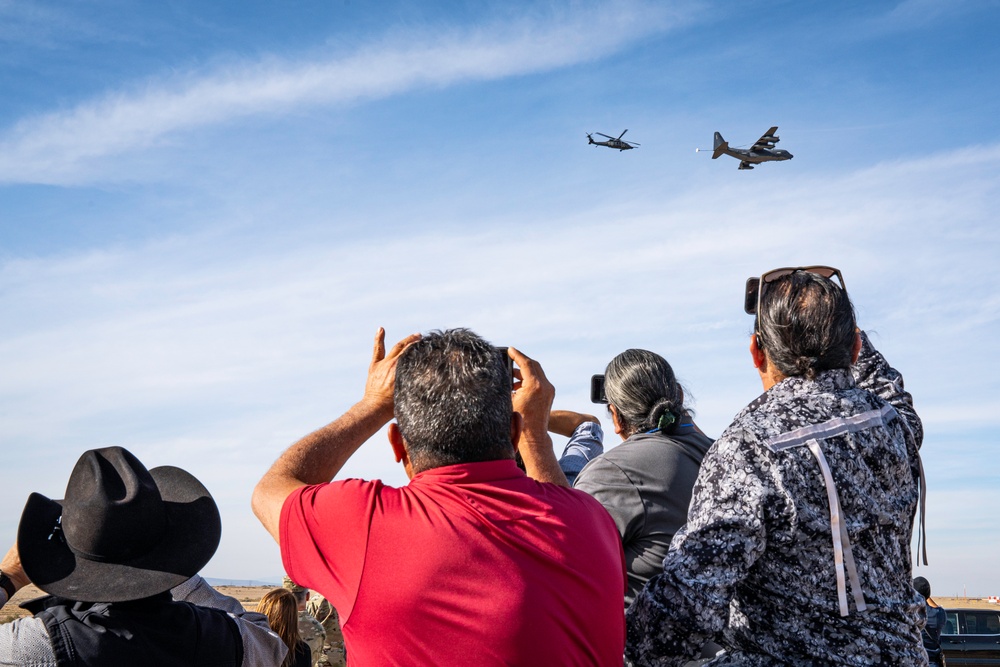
point(216, 581)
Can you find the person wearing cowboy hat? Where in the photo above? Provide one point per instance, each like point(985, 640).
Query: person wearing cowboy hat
point(119, 557)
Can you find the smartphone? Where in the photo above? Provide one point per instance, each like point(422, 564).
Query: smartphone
point(597, 394)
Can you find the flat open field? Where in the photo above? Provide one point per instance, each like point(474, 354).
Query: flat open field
point(965, 603)
point(248, 596)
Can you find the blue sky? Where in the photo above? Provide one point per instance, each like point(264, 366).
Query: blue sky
point(207, 209)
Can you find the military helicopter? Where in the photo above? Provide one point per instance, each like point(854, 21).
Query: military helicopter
point(763, 150)
point(613, 142)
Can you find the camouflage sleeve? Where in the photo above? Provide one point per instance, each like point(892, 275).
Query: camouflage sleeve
point(873, 372)
point(688, 604)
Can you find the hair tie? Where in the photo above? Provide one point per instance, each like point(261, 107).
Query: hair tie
point(666, 420)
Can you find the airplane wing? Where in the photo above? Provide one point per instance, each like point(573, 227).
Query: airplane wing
point(767, 140)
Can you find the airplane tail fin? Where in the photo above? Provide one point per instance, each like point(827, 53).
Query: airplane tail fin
point(721, 146)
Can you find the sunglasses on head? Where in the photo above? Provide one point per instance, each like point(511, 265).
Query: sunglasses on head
point(751, 298)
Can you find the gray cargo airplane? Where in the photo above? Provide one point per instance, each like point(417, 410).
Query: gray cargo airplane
point(762, 151)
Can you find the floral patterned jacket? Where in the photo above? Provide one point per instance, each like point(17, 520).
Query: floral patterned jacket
point(797, 546)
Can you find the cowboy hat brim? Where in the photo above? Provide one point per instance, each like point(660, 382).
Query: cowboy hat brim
point(189, 540)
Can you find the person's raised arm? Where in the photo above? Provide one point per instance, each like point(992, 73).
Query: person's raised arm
point(318, 457)
point(533, 395)
point(11, 567)
point(873, 372)
point(586, 440)
point(564, 422)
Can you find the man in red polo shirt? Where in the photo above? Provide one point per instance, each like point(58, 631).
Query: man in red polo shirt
point(473, 562)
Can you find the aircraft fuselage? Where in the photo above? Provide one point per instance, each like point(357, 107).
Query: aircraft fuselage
point(763, 150)
point(756, 157)
point(612, 142)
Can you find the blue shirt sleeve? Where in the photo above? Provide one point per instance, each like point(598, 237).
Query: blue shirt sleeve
point(586, 442)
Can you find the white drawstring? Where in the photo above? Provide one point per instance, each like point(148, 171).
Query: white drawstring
point(843, 556)
point(841, 541)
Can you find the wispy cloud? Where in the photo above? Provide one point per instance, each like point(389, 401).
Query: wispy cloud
point(205, 328)
point(216, 350)
point(37, 25)
point(915, 14)
point(59, 147)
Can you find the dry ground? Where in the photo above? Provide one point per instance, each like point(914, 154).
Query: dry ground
point(965, 603)
point(248, 596)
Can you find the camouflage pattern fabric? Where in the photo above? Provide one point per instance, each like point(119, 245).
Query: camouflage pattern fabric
point(756, 560)
point(334, 653)
point(287, 582)
point(313, 634)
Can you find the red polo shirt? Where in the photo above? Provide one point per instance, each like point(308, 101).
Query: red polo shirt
point(473, 564)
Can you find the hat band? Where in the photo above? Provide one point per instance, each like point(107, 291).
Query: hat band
point(119, 558)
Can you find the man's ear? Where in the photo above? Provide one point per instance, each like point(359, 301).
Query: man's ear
point(757, 354)
point(516, 426)
point(396, 440)
point(856, 349)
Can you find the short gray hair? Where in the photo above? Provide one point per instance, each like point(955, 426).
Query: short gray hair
point(644, 392)
point(452, 400)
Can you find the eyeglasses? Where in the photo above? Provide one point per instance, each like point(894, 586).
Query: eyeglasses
point(751, 299)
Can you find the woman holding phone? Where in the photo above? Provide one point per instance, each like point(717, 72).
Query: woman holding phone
point(645, 482)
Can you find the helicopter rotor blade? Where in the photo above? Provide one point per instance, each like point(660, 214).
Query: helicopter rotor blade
point(622, 134)
point(603, 135)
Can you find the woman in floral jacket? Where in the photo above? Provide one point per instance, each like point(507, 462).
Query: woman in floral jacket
point(796, 550)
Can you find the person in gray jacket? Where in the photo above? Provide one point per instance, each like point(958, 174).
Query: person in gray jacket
point(645, 482)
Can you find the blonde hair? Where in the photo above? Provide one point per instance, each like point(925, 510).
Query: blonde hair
point(282, 611)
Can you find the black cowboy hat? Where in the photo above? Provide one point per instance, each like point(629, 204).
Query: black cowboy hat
point(121, 533)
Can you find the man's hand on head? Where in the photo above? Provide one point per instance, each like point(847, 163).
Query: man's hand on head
point(382, 373)
point(532, 399)
point(533, 393)
point(319, 456)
